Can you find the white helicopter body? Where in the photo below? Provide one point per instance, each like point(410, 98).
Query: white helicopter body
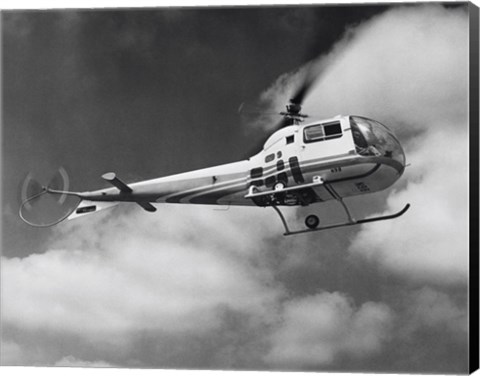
point(298, 165)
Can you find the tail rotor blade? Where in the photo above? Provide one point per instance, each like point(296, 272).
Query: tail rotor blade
point(60, 182)
point(44, 206)
point(31, 187)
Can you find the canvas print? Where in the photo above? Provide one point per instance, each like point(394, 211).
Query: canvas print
point(273, 188)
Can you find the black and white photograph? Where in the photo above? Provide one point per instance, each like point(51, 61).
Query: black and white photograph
point(255, 187)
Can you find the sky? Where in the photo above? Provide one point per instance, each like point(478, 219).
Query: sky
point(147, 93)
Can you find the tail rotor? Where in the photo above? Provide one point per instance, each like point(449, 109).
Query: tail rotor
point(47, 205)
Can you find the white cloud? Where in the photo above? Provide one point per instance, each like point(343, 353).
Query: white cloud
point(71, 361)
point(419, 83)
point(11, 353)
point(430, 242)
point(316, 329)
point(424, 89)
point(407, 68)
point(407, 65)
point(432, 309)
point(165, 272)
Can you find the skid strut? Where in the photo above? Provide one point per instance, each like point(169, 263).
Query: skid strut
point(350, 222)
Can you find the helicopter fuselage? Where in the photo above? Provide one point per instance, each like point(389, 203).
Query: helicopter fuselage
point(299, 165)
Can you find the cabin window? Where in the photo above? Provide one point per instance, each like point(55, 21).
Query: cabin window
point(269, 158)
point(359, 139)
point(256, 172)
point(279, 154)
point(290, 139)
point(321, 132)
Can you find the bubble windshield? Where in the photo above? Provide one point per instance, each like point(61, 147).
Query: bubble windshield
point(374, 139)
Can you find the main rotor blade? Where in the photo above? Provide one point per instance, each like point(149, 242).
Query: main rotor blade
point(310, 76)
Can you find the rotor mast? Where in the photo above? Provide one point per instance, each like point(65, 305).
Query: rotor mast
point(293, 112)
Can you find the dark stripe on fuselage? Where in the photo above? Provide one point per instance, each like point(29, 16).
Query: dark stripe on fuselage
point(296, 171)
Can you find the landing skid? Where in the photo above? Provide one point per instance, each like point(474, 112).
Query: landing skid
point(350, 222)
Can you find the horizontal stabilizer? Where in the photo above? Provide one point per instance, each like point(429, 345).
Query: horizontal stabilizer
point(89, 207)
point(147, 206)
point(112, 179)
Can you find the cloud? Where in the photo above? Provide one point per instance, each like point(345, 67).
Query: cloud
point(11, 353)
point(136, 273)
point(424, 93)
point(407, 68)
point(316, 329)
point(155, 287)
point(172, 273)
point(408, 64)
point(429, 309)
point(430, 242)
point(71, 361)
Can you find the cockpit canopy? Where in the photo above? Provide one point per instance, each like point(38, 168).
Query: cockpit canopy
point(375, 139)
point(371, 138)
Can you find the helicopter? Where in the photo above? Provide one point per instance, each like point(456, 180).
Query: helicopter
point(298, 165)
